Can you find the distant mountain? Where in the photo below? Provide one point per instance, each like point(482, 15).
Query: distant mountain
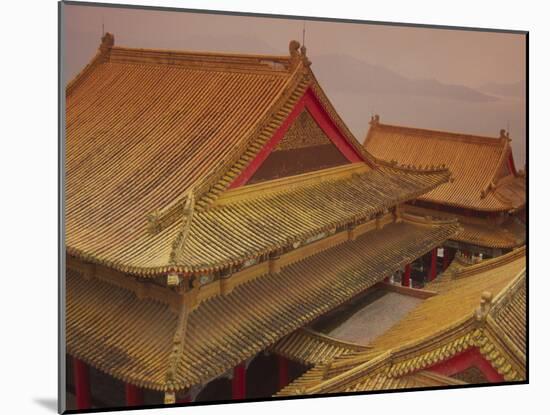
point(515, 89)
point(349, 74)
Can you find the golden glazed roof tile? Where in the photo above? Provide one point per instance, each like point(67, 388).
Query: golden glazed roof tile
point(141, 134)
point(482, 179)
point(456, 299)
point(227, 329)
point(266, 217)
point(147, 127)
point(311, 348)
point(439, 328)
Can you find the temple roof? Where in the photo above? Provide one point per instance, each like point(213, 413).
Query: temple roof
point(484, 176)
point(155, 137)
point(442, 326)
point(248, 222)
point(148, 343)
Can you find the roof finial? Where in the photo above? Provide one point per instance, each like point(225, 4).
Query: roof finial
point(504, 134)
point(304, 35)
point(293, 48)
point(484, 306)
point(298, 53)
point(102, 25)
point(107, 42)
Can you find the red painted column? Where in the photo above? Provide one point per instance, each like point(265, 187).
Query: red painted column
point(283, 371)
point(134, 395)
point(406, 280)
point(82, 384)
point(239, 381)
point(433, 266)
point(446, 258)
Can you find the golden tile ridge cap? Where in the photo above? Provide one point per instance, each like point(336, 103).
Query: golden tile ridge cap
point(177, 348)
point(502, 340)
point(178, 244)
point(349, 375)
point(491, 184)
point(284, 184)
point(334, 341)
point(503, 298)
point(440, 134)
point(442, 335)
point(248, 62)
point(230, 56)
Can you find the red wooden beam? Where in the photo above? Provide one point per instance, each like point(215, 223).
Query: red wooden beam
point(309, 101)
point(465, 360)
point(239, 382)
point(406, 280)
point(82, 384)
point(134, 395)
point(283, 371)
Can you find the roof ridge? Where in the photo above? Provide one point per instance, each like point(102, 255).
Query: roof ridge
point(333, 340)
point(492, 182)
point(178, 244)
point(505, 295)
point(178, 340)
point(441, 134)
point(201, 53)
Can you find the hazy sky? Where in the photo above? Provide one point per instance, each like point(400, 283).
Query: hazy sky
point(448, 74)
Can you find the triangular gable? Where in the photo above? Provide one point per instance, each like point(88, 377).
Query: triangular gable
point(470, 358)
point(304, 148)
point(326, 140)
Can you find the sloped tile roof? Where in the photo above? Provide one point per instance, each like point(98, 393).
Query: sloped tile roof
point(439, 328)
point(132, 339)
point(478, 164)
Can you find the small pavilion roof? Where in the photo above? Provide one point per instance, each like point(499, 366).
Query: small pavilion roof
point(483, 174)
point(442, 326)
point(146, 342)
